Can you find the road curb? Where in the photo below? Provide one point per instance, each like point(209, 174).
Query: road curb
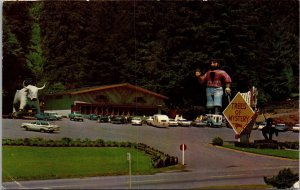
point(268, 156)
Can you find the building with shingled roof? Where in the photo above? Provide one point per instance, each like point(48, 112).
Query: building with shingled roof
point(117, 99)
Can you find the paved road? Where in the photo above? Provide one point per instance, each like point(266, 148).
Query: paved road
point(206, 165)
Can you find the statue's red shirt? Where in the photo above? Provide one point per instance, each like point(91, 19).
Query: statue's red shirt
point(215, 80)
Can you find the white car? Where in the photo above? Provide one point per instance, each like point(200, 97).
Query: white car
point(58, 117)
point(261, 125)
point(149, 120)
point(184, 122)
point(160, 120)
point(136, 121)
point(296, 129)
point(173, 123)
point(42, 126)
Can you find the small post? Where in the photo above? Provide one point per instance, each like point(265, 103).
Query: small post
point(129, 160)
point(182, 156)
point(183, 148)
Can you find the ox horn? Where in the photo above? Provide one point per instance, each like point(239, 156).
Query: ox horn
point(24, 84)
point(42, 87)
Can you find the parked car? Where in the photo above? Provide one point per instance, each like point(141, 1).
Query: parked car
point(103, 119)
point(214, 120)
point(149, 120)
point(296, 128)
point(184, 122)
point(118, 120)
point(136, 121)
point(42, 126)
point(93, 117)
point(45, 116)
point(173, 123)
point(160, 120)
point(281, 127)
point(198, 123)
point(55, 114)
point(76, 117)
point(261, 125)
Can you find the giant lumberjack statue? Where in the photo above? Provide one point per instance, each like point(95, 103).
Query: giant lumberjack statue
point(214, 79)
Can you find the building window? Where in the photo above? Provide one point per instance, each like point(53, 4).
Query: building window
point(140, 100)
point(101, 98)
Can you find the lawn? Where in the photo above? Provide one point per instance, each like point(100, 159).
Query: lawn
point(291, 154)
point(27, 163)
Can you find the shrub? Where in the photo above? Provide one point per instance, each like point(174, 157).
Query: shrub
point(26, 142)
point(125, 144)
point(66, 141)
point(217, 141)
point(285, 179)
point(99, 142)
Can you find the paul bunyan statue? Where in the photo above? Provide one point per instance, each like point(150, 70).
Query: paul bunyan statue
point(214, 79)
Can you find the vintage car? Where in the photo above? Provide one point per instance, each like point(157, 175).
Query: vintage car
point(93, 117)
point(55, 114)
point(76, 116)
point(261, 125)
point(173, 123)
point(149, 120)
point(136, 121)
point(45, 116)
point(42, 126)
point(281, 127)
point(118, 120)
point(103, 119)
point(295, 128)
point(214, 120)
point(160, 120)
point(198, 123)
point(183, 122)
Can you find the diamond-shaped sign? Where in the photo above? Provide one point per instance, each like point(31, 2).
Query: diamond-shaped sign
point(238, 113)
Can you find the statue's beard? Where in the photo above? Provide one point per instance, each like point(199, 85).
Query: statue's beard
point(213, 68)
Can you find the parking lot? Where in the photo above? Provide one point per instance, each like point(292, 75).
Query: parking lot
point(165, 139)
point(202, 161)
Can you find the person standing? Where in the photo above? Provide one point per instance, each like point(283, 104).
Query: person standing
point(214, 79)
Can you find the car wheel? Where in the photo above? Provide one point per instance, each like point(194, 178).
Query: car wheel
point(209, 124)
point(42, 130)
point(26, 128)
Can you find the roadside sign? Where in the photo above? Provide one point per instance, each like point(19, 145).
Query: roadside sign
point(238, 114)
point(128, 156)
point(183, 147)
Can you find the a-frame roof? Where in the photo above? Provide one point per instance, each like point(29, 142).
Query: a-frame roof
point(99, 88)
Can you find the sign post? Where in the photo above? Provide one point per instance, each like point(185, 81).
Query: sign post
point(238, 114)
point(183, 148)
point(129, 160)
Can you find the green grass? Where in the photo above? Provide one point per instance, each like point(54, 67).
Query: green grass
point(291, 154)
point(28, 163)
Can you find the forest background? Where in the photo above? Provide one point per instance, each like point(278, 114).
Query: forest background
point(156, 45)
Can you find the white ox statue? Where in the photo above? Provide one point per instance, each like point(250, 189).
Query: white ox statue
point(22, 96)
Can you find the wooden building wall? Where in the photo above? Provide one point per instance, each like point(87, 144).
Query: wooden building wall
point(112, 101)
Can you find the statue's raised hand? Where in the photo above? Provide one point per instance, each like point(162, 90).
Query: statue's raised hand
point(198, 73)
